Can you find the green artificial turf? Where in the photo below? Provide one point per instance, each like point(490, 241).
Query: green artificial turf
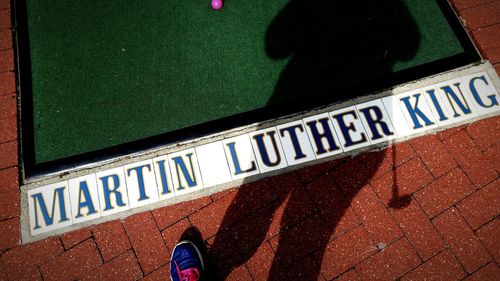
point(110, 72)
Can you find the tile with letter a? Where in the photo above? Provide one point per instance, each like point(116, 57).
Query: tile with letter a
point(240, 157)
point(163, 177)
point(49, 207)
point(185, 171)
point(376, 121)
point(296, 144)
point(455, 103)
point(141, 183)
point(348, 125)
point(397, 117)
point(417, 112)
point(213, 164)
point(84, 198)
point(112, 188)
point(485, 96)
point(322, 135)
point(268, 150)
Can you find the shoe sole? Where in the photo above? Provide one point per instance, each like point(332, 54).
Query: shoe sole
point(197, 251)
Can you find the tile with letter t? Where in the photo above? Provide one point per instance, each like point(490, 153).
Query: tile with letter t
point(185, 171)
point(323, 137)
point(416, 110)
point(163, 177)
point(348, 125)
point(112, 188)
point(84, 198)
point(141, 183)
point(49, 207)
point(213, 164)
point(240, 157)
point(376, 121)
point(268, 150)
point(399, 122)
point(483, 92)
point(296, 144)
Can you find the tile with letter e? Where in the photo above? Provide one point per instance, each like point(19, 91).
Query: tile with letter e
point(295, 142)
point(399, 122)
point(483, 92)
point(348, 125)
point(84, 198)
point(141, 183)
point(240, 157)
point(417, 112)
point(185, 171)
point(268, 150)
point(163, 177)
point(324, 139)
point(49, 207)
point(112, 188)
point(213, 164)
point(376, 121)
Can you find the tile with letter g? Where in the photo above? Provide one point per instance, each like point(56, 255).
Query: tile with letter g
point(141, 183)
point(268, 150)
point(485, 96)
point(112, 188)
point(185, 171)
point(348, 125)
point(49, 207)
point(240, 157)
point(376, 121)
point(213, 164)
point(84, 198)
point(296, 144)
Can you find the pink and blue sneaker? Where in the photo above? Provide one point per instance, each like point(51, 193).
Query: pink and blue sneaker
point(186, 263)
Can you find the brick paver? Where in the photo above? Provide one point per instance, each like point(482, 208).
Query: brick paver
point(124, 268)
point(443, 266)
point(434, 155)
point(488, 235)
point(70, 239)
point(490, 272)
point(481, 206)
point(111, 239)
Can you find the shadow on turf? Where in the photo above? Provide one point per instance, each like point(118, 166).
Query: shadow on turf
point(332, 46)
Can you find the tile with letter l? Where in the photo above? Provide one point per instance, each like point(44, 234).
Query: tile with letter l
point(268, 150)
point(483, 93)
point(417, 112)
point(213, 164)
point(324, 139)
point(240, 157)
point(49, 207)
point(397, 117)
point(296, 144)
point(185, 171)
point(163, 177)
point(141, 183)
point(452, 103)
point(84, 198)
point(112, 189)
point(348, 125)
point(376, 121)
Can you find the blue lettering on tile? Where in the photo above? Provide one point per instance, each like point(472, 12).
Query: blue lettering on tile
point(327, 134)
point(49, 218)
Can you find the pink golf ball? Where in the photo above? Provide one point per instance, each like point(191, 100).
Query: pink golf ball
point(217, 4)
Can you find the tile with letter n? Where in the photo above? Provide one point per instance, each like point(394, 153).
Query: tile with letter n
point(186, 176)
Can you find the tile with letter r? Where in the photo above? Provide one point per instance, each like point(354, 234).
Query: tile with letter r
point(49, 207)
point(213, 164)
point(324, 139)
point(112, 187)
point(186, 176)
point(483, 92)
point(296, 144)
point(268, 150)
point(347, 124)
point(397, 117)
point(240, 157)
point(376, 121)
point(84, 198)
point(141, 183)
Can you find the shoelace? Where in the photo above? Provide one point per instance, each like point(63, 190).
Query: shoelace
point(188, 274)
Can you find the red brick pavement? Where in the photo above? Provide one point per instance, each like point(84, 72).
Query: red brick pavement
point(426, 209)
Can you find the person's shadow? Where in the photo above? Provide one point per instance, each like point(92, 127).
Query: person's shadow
point(334, 49)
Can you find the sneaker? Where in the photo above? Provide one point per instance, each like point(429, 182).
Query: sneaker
point(186, 263)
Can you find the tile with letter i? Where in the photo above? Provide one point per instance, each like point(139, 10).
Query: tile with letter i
point(112, 189)
point(348, 125)
point(141, 183)
point(268, 150)
point(84, 198)
point(186, 176)
point(240, 157)
point(376, 121)
point(213, 164)
point(322, 135)
point(482, 91)
point(49, 207)
point(163, 177)
point(296, 144)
